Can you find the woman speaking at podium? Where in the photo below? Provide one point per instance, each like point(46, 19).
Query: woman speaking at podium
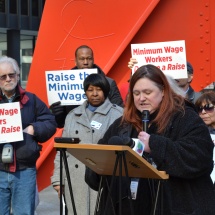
point(177, 141)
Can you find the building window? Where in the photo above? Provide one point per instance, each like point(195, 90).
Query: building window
point(2, 6)
point(24, 7)
point(35, 8)
point(26, 58)
point(13, 6)
point(3, 53)
point(26, 55)
point(3, 44)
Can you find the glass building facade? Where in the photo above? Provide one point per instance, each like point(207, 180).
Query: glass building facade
point(19, 25)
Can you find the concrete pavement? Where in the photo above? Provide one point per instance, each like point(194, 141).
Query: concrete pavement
point(49, 202)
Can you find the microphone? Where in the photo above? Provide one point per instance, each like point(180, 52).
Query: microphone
point(145, 120)
point(128, 142)
point(115, 140)
point(135, 144)
point(118, 141)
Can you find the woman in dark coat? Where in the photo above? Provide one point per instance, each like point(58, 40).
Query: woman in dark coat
point(205, 105)
point(177, 141)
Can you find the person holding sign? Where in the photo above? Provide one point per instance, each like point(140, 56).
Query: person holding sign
point(88, 122)
point(176, 141)
point(183, 83)
point(84, 59)
point(18, 158)
point(205, 105)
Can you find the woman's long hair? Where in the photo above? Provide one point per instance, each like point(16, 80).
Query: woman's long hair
point(170, 103)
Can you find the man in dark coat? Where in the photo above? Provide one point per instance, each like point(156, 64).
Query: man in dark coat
point(184, 83)
point(84, 59)
point(18, 171)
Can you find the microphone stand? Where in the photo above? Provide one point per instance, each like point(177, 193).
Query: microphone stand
point(145, 119)
point(120, 157)
point(64, 159)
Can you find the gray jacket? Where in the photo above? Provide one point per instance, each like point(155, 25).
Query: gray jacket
point(77, 124)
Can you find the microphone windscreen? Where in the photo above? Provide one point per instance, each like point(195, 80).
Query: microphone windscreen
point(115, 140)
point(128, 142)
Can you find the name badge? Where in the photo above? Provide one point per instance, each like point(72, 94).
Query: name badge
point(134, 187)
point(96, 125)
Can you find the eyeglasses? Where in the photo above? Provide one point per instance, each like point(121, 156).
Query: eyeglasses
point(4, 77)
point(208, 108)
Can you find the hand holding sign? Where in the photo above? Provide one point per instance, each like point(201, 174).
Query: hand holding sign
point(56, 108)
point(132, 62)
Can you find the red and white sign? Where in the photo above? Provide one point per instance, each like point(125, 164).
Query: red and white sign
point(10, 123)
point(170, 57)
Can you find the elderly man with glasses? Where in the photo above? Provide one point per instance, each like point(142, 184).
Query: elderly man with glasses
point(18, 171)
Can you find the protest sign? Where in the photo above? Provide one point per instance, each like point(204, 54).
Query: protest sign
point(170, 57)
point(67, 86)
point(10, 123)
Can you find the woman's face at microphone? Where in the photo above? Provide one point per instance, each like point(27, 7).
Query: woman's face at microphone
point(147, 95)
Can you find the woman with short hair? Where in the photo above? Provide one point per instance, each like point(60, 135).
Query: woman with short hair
point(206, 109)
point(88, 122)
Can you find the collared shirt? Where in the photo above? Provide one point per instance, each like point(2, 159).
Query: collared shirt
point(11, 98)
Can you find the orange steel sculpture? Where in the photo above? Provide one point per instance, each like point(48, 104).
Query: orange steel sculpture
point(109, 27)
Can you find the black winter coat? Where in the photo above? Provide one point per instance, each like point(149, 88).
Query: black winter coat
point(33, 112)
point(185, 152)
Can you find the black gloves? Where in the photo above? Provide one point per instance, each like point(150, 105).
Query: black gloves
point(60, 113)
point(56, 108)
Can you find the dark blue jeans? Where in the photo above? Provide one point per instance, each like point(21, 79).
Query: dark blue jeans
point(17, 192)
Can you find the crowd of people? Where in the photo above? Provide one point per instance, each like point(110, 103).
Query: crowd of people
point(177, 141)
